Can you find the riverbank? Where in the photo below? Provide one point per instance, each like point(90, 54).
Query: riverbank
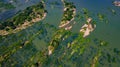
point(23, 26)
point(69, 14)
point(30, 18)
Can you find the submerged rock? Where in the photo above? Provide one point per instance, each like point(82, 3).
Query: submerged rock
point(116, 3)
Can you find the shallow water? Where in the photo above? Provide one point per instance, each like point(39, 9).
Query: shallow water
point(104, 31)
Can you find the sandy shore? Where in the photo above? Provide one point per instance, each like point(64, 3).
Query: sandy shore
point(23, 26)
point(68, 28)
point(67, 22)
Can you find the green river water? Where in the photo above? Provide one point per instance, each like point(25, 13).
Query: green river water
point(109, 32)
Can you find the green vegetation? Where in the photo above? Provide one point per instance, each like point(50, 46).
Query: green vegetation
point(40, 58)
point(25, 44)
point(80, 48)
point(6, 6)
point(79, 44)
point(6, 52)
point(27, 15)
point(102, 18)
point(59, 36)
point(69, 12)
point(30, 47)
point(85, 12)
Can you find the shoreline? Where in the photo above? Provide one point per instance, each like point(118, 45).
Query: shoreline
point(23, 26)
point(87, 28)
point(67, 22)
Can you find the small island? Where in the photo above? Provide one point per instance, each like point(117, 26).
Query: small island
point(88, 27)
point(5, 6)
point(23, 19)
point(69, 14)
point(59, 36)
point(116, 3)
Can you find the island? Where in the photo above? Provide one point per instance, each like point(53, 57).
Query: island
point(23, 19)
point(30, 43)
point(88, 27)
point(69, 14)
point(59, 36)
point(5, 6)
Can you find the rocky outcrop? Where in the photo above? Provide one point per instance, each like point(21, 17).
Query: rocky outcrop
point(88, 27)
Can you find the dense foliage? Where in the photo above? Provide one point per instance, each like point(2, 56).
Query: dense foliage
point(7, 6)
point(27, 15)
point(68, 12)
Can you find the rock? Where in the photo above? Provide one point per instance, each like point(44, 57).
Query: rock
point(87, 28)
point(116, 3)
point(50, 50)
